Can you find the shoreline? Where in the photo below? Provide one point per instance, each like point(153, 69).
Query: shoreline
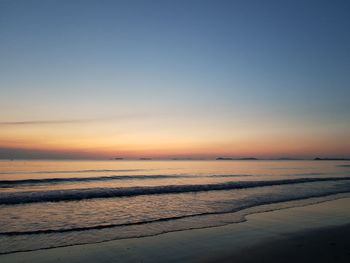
point(222, 219)
point(232, 239)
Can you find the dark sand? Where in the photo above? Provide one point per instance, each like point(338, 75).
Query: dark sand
point(329, 244)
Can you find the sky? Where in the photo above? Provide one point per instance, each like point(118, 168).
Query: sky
point(166, 79)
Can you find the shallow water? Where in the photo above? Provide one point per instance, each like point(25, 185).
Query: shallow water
point(57, 203)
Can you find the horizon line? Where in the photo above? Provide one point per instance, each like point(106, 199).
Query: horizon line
point(219, 159)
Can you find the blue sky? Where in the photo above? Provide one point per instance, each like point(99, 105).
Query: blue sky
point(226, 65)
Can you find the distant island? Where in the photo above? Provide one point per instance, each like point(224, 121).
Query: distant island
point(331, 159)
point(288, 159)
point(181, 159)
point(237, 159)
point(145, 159)
point(224, 159)
point(118, 158)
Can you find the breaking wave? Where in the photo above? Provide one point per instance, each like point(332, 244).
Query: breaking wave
point(90, 193)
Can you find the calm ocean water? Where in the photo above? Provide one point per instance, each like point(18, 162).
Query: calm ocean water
point(47, 204)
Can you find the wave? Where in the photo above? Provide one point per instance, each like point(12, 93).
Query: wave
point(91, 193)
point(75, 171)
point(16, 183)
point(6, 183)
point(306, 174)
point(44, 181)
point(258, 202)
point(226, 175)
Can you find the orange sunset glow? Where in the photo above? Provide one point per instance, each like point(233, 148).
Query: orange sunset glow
point(183, 131)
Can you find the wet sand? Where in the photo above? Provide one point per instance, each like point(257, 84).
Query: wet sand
point(329, 244)
point(314, 233)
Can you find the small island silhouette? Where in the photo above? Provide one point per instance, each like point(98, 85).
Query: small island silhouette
point(331, 159)
point(240, 159)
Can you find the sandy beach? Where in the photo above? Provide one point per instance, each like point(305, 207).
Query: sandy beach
point(329, 244)
point(318, 232)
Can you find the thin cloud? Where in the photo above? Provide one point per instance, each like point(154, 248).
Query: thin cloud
point(51, 122)
point(43, 122)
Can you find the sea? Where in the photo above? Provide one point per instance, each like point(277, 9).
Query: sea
point(47, 204)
